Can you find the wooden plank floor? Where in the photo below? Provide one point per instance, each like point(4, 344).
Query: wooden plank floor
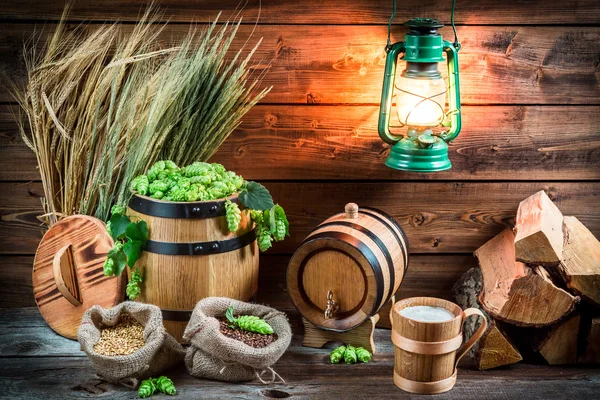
point(35, 363)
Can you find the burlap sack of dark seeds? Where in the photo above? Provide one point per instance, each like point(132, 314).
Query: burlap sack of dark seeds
point(160, 352)
point(212, 355)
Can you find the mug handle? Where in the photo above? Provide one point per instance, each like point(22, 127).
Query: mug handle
point(462, 350)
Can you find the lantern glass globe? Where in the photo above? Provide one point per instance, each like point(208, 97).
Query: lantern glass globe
point(420, 102)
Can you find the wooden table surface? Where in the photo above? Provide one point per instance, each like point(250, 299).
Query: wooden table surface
point(36, 363)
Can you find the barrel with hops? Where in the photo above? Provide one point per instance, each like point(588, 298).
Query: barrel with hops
point(348, 268)
point(191, 255)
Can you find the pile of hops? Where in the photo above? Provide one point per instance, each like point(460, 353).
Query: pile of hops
point(199, 181)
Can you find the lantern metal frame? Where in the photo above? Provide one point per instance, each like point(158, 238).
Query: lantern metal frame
point(422, 149)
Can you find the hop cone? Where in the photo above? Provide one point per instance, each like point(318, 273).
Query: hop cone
point(279, 230)
point(146, 388)
point(109, 267)
point(158, 186)
point(350, 355)
point(254, 324)
point(170, 165)
point(166, 385)
point(158, 195)
point(233, 216)
point(142, 186)
point(363, 354)
point(264, 239)
point(337, 355)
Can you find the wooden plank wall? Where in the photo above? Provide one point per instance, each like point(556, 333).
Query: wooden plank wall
point(530, 74)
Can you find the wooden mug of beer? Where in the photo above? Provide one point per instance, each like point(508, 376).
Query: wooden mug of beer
point(428, 343)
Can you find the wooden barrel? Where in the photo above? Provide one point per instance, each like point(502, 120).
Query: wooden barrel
point(348, 268)
point(191, 255)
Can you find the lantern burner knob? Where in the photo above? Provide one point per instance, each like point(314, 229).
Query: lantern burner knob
point(423, 26)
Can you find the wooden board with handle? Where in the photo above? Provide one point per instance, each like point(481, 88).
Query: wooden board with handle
point(68, 276)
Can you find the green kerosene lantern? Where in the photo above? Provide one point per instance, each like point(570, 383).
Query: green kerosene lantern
point(420, 98)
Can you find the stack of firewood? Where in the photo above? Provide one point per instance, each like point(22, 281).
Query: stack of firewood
point(539, 286)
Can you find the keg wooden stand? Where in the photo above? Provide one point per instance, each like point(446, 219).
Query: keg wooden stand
point(343, 274)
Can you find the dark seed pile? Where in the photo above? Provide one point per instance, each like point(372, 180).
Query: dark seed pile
point(252, 339)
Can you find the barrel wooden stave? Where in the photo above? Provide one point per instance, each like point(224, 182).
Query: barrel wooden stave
point(178, 282)
point(371, 229)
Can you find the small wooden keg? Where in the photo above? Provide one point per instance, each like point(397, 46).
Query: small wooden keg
point(426, 353)
point(192, 255)
point(348, 268)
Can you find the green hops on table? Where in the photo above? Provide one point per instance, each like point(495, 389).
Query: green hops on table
point(109, 228)
point(363, 354)
point(218, 168)
point(233, 215)
point(350, 355)
point(166, 385)
point(337, 355)
point(147, 388)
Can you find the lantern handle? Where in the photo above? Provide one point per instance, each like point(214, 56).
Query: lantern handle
point(387, 93)
point(453, 92)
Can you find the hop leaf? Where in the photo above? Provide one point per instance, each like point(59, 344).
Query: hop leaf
point(256, 196)
point(233, 214)
point(337, 355)
point(350, 355)
point(147, 388)
point(166, 385)
point(363, 354)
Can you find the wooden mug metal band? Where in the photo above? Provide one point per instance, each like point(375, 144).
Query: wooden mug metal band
point(426, 348)
point(425, 387)
point(476, 336)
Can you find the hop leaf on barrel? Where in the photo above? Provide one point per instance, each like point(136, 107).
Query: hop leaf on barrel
point(166, 385)
point(363, 354)
point(350, 355)
point(147, 388)
point(233, 216)
point(248, 323)
point(337, 355)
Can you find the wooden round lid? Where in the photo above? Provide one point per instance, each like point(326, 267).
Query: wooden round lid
point(68, 275)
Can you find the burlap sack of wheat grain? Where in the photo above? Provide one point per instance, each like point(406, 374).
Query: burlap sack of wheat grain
point(160, 352)
point(212, 355)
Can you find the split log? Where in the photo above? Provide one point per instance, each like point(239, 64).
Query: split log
point(580, 265)
point(494, 349)
point(558, 344)
point(515, 293)
point(591, 351)
point(539, 234)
